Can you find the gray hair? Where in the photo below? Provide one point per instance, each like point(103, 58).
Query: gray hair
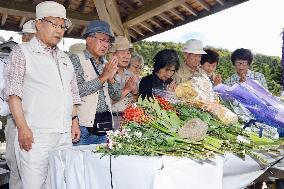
point(136, 57)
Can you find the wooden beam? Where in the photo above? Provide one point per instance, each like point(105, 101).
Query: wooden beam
point(37, 1)
point(109, 12)
point(221, 2)
point(23, 20)
point(137, 30)
point(83, 5)
point(214, 9)
point(83, 31)
point(189, 9)
point(20, 9)
point(147, 27)
point(204, 5)
point(177, 14)
point(132, 34)
point(66, 3)
point(4, 18)
point(156, 22)
point(150, 10)
point(166, 18)
point(70, 29)
point(128, 5)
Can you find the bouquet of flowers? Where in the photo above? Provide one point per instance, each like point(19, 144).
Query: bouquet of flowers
point(260, 103)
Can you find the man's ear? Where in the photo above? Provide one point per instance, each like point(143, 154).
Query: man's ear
point(38, 24)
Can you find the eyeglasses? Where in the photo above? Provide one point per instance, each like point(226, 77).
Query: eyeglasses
point(55, 26)
point(108, 42)
point(241, 62)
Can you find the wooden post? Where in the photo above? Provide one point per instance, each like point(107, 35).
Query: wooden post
point(108, 11)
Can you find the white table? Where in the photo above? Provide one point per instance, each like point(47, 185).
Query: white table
point(79, 167)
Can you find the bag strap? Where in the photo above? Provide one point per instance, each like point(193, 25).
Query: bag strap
point(94, 65)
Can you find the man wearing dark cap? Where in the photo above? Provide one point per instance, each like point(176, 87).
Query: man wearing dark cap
point(95, 78)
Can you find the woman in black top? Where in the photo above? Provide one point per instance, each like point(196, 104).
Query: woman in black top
point(166, 63)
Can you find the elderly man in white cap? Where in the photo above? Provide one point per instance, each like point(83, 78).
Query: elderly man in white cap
point(28, 31)
point(128, 82)
point(95, 78)
point(42, 94)
point(192, 51)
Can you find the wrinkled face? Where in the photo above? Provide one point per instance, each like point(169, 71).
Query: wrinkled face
point(166, 72)
point(209, 68)
point(135, 67)
point(241, 66)
point(123, 57)
point(192, 60)
point(98, 44)
point(27, 37)
point(50, 30)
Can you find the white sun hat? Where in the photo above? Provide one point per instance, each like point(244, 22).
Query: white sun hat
point(52, 8)
point(194, 46)
point(28, 27)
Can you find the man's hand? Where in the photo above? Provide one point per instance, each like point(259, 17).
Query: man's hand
point(109, 70)
point(75, 130)
point(25, 137)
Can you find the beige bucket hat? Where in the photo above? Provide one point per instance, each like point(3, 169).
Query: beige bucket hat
point(121, 43)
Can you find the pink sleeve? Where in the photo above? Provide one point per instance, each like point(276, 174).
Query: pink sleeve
point(14, 73)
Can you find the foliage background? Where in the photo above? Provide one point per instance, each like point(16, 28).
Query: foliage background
point(270, 66)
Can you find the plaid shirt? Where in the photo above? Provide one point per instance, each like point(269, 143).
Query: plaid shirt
point(16, 68)
point(251, 75)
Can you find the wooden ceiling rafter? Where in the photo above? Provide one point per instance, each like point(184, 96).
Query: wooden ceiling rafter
point(152, 9)
point(221, 2)
point(166, 18)
point(131, 33)
point(147, 26)
point(4, 18)
point(83, 5)
point(137, 30)
point(23, 20)
point(138, 19)
point(204, 4)
point(189, 9)
point(177, 14)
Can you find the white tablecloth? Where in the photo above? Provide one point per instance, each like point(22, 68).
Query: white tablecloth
point(80, 168)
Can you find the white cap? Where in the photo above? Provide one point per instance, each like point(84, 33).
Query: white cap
point(121, 43)
point(77, 47)
point(28, 27)
point(194, 46)
point(51, 8)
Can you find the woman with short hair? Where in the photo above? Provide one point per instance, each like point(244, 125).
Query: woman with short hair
point(242, 59)
point(166, 63)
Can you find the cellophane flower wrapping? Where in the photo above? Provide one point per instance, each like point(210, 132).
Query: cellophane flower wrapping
point(256, 102)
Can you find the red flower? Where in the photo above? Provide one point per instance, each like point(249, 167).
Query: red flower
point(164, 103)
point(134, 113)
